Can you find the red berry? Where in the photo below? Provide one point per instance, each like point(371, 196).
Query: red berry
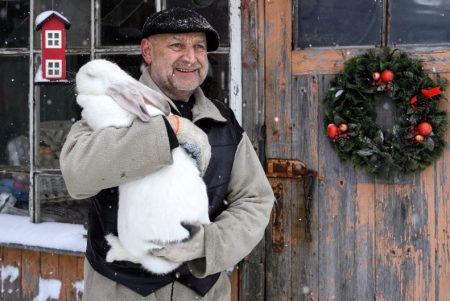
point(419, 138)
point(387, 76)
point(376, 75)
point(343, 127)
point(332, 130)
point(424, 128)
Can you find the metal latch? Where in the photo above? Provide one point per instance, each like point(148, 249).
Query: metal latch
point(296, 170)
point(281, 168)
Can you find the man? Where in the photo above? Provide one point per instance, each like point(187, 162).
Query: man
point(174, 45)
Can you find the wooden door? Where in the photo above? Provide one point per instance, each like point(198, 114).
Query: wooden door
point(371, 240)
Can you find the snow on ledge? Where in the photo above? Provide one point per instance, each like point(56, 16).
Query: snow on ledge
point(60, 236)
point(47, 14)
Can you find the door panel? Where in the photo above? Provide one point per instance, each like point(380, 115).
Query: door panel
point(371, 240)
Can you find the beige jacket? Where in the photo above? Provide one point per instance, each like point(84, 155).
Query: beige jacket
point(95, 160)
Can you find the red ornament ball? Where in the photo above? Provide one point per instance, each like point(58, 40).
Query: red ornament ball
point(387, 76)
point(376, 75)
point(424, 128)
point(332, 130)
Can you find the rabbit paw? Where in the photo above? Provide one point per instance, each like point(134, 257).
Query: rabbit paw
point(116, 252)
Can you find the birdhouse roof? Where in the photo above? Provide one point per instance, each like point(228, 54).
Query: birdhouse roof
point(46, 15)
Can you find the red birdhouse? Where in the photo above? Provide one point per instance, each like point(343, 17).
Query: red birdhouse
point(53, 45)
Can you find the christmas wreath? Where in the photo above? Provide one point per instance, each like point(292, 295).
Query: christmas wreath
point(415, 140)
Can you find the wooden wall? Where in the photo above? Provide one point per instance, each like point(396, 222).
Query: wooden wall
point(35, 266)
point(371, 240)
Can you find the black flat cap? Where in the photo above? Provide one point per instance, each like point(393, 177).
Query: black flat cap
point(180, 20)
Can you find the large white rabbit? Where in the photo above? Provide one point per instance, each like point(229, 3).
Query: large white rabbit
point(164, 206)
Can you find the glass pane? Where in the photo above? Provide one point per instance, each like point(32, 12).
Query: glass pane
point(55, 203)
point(122, 20)
point(14, 116)
point(58, 110)
point(337, 23)
point(14, 193)
point(133, 64)
point(14, 23)
point(215, 11)
point(79, 15)
point(420, 21)
point(217, 81)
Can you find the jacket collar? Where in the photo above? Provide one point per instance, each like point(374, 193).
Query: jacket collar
point(203, 107)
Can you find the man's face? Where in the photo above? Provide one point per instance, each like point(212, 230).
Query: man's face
point(178, 63)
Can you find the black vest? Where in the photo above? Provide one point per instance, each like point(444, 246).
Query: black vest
point(224, 138)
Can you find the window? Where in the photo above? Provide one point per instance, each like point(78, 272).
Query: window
point(330, 23)
point(53, 39)
point(53, 68)
point(35, 119)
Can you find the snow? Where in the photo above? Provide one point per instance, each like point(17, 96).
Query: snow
point(39, 79)
point(48, 288)
point(8, 272)
point(79, 288)
point(46, 14)
point(60, 236)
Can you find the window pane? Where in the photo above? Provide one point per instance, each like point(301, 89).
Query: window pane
point(58, 110)
point(215, 11)
point(420, 21)
point(132, 64)
point(217, 81)
point(79, 15)
point(122, 20)
point(14, 116)
point(55, 203)
point(14, 193)
point(14, 23)
point(337, 23)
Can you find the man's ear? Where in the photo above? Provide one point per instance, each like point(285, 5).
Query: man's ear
point(146, 51)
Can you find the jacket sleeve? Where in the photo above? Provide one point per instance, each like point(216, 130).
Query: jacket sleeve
point(238, 229)
point(94, 160)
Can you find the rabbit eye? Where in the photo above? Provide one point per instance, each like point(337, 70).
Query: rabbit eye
point(90, 73)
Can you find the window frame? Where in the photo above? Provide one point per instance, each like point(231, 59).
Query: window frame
point(53, 39)
point(53, 68)
point(94, 50)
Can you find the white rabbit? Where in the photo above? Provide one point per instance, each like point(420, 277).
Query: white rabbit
point(164, 206)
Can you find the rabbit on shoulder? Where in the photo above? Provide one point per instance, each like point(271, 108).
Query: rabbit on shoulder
point(161, 208)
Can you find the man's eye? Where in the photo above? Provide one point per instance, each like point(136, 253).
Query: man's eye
point(176, 45)
point(200, 47)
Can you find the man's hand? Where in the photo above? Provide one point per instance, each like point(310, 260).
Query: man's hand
point(184, 251)
point(193, 140)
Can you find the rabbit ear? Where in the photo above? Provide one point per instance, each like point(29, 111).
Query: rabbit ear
point(153, 98)
point(129, 99)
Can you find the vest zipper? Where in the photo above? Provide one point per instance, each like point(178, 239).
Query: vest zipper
point(171, 292)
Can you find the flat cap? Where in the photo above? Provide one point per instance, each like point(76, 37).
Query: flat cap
point(180, 20)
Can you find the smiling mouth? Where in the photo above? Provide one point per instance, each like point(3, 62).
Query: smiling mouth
point(186, 70)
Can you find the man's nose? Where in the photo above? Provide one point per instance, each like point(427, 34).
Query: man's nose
point(189, 55)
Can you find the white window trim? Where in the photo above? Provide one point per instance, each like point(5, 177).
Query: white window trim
point(47, 68)
point(59, 39)
point(235, 60)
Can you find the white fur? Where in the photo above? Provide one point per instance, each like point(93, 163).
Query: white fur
point(151, 209)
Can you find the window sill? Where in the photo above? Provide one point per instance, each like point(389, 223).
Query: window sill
point(19, 232)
